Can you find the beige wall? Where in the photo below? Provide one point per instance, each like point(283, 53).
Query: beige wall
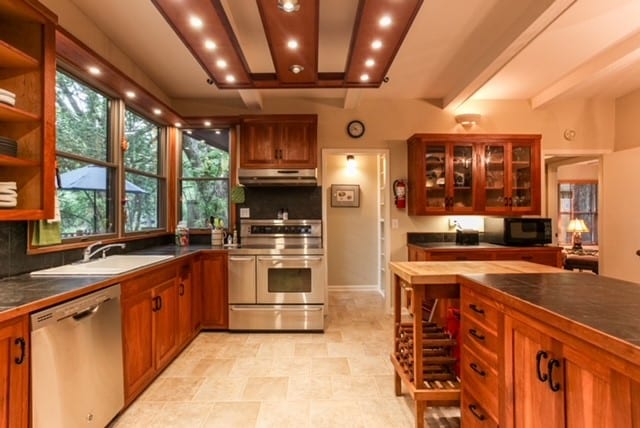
point(586, 171)
point(352, 233)
point(626, 121)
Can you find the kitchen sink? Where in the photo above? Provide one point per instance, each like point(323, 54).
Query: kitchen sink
point(108, 266)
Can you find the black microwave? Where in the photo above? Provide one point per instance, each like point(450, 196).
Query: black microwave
point(521, 231)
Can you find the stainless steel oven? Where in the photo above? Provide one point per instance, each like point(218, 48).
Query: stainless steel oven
point(277, 276)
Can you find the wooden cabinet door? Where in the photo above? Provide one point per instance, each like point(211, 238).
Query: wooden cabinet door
point(259, 144)
point(185, 300)
point(297, 143)
point(165, 321)
point(14, 373)
point(137, 327)
point(215, 298)
point(535, 404)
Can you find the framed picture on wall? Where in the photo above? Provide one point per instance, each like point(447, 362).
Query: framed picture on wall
point(345, 195)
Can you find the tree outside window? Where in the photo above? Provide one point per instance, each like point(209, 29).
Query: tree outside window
point(144, 182)
point(205, 177)
point(86, 191)
point(578, 200)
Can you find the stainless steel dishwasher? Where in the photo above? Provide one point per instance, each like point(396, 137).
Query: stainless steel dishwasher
point(76, 362)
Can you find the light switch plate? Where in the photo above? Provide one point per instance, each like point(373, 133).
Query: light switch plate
point(245, 213)
point(394, 223)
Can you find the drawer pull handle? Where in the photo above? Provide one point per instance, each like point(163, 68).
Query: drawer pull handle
point(476, 413)
point(181, 289)
point(555, 387)
point(473, 332)
point(542, 377)
point(476, 309)
point(477, 369)
point(20, 342)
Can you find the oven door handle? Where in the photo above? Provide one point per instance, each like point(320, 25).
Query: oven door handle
point(289, 258)
point(241, 259)
point(264, 309)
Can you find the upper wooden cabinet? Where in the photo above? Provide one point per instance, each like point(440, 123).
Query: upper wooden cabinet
point(27, 68)
point(278, 141)
point(473, 174)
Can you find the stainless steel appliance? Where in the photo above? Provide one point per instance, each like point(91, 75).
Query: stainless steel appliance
point(277, 276)
point(517, 231)
point(278, 177)
point(76, 362)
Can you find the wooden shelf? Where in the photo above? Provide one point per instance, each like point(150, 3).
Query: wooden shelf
point(12, 114)
point(10, 161)
point(11, 57)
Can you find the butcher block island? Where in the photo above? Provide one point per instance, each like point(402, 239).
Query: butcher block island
point(540, 347)
point(422, 354)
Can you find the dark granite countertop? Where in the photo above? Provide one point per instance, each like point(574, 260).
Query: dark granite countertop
point(23, 294)
point(605, 305)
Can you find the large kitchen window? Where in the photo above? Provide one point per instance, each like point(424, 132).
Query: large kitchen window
point(86, 190)
point(578, 200)
point(204, 181)
point(144, 176)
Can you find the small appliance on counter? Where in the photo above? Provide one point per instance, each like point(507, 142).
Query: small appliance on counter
point(467, 237)
point(517, 231)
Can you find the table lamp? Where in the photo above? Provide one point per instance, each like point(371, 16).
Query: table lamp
point(578, 227)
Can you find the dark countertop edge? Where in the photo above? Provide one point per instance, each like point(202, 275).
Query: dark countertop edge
point(481, 246)
point(564, 328)
point(88, 284)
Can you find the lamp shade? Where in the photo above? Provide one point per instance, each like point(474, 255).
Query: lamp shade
point(577, 226)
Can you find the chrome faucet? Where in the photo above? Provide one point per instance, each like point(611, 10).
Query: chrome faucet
point(88, 253)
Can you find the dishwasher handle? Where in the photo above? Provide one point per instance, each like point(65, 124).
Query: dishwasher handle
point(78, 316)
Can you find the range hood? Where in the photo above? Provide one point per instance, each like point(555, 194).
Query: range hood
point(278, 177)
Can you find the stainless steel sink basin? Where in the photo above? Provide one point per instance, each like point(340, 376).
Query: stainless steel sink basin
point(112, 265)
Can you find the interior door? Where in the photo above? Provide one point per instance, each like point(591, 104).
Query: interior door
point(619, 213)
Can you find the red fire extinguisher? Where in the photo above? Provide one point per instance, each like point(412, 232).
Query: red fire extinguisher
point(400, 193)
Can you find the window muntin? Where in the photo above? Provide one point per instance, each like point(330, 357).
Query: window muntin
point(578, 200)
point(87, 188)
point(144, 182)
point(204, 183)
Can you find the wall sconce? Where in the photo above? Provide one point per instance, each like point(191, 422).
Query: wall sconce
point(351, 162)
point(578, 227)
point(467, 120)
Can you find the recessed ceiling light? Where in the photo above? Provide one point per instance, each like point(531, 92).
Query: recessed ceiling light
point(196, 22)
point(178, 125)
point(288, 5)
point(292, 44)
point(130, 94)
point(370, 62)
point(157, 111)
point(207, 123)
point(218, 132)
point(210, 45)
point(385, 21)
point(94, 70)
point(364, 77)
point(221, 63)
point(376, 44)
point(295, 68)
point(189, 131)
point(230, 78)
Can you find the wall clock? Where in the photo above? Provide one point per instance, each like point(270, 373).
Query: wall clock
point(355, 129)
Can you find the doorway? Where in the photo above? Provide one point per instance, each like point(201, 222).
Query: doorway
point(355, 241)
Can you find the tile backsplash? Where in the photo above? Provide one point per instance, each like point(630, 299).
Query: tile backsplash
point(301, 202)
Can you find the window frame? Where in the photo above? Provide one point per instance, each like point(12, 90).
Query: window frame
point(578, 214)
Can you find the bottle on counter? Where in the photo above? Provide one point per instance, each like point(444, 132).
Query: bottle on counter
point(182, 234)
point(285, 214)
point(235, 237)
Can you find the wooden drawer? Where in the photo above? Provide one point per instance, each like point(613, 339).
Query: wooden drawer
point(472, 414)
point(479, 309)
point(481, 340)
point(448, 256)
point(481, 378)
point(549, 258)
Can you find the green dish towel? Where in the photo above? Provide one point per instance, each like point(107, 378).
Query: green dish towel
point(237, 194)
point(46, 233)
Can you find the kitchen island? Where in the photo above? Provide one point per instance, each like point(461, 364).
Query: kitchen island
point(438, 280)
point(540, 347)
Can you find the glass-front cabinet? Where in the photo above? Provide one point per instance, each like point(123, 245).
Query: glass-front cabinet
point(474, 174)
point(443, 173)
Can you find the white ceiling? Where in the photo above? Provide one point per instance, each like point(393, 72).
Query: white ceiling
point(539, 50)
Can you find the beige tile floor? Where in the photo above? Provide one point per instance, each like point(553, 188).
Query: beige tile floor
point(340, 378)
